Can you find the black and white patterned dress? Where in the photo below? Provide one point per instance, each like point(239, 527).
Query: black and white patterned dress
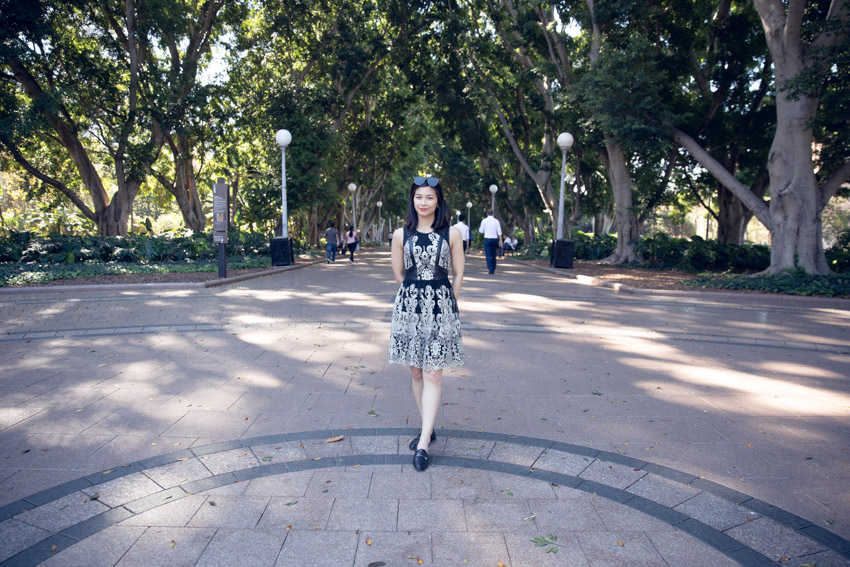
point(425, 330)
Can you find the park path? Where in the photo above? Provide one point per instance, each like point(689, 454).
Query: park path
point(683, 427)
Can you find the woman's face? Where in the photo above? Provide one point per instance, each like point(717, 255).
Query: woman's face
point(425, 201)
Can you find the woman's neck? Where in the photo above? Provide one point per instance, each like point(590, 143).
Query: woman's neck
point(425, 224)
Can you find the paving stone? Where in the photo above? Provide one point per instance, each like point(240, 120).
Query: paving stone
point(376, 445)
point(559, 516)
point(278, 452)
point(124, 489)
point(168, 547)
point(461, 485)
point(474, 448)
point(431, 516)
point(377, 514)
point(393, 548)
point(253, 548)
point(328, 483)
point(612, 474)
point(498, 516)
point(524, 552)
point(469, 549)
point(16, 536)
point(318, 548)
point(774, 540)
point(283, 485)
point(296, 513)
point(662, 490)
point(176, 513)
point(716, 512)
point(822, 559)
point(9, 416)
point(403, 485)
point(683, 550)
point(564, 463)
point(509, 487)
point(626, 548)
point(515, 453)
point(229, 512)
point(618, 517)
point(109, 545)
point(62, 513)
point(178, 473)
point(229, 461)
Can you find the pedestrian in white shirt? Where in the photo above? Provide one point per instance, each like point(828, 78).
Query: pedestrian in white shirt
point(464, 232)
point(492, 230)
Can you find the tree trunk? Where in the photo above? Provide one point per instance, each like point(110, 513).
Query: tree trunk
point(624, 214)
point(113, 220)
point(732, 218)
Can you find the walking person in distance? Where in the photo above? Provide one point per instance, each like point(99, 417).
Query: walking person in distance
point(351, 242)
point(464, 232)
point(492, 230)
point(332, 242)
point(425, 329)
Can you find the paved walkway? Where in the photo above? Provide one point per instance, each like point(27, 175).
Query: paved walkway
point(196, 427)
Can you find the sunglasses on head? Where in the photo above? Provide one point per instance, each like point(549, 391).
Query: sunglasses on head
point(430, 181)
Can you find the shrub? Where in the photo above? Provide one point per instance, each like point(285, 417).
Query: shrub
point(838, 256)
point(793, 282)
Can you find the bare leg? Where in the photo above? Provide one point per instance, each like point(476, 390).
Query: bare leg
point(416, 374)
point(432, 390)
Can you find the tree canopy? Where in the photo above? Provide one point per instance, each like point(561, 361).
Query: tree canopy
point(740, 106)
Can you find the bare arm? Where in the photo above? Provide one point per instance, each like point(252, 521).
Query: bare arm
point(398, 255)
point(456, 247)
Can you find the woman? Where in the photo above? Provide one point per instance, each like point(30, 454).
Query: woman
point(425, 330)
point(351, 241)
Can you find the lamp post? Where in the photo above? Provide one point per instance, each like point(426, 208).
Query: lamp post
point(380, 204)
point(493, 189)
point(565, 142)
point(281, 248)
point(351, 189)
point(562, 250)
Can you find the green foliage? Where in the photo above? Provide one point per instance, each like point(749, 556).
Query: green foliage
point(17, 274)
point(134, 248)
point(838, 257)
point(593, 246)
point(796, 282)
point(698, 254)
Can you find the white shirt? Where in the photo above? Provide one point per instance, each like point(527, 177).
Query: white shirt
point(464, 230)
point(491, 227)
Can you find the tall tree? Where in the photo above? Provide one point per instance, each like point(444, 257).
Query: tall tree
point(804, 40)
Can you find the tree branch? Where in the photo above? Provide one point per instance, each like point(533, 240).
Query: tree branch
point(31, 169)
point(830, 186)
point(758, 207)
point(701, 202)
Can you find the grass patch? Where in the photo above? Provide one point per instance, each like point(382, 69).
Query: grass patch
point(17, 274)
point(796, 282)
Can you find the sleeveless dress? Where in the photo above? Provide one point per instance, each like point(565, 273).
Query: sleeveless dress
point(425, 329)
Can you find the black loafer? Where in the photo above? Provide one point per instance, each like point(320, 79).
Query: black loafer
point(420, 460)
point(415, 442)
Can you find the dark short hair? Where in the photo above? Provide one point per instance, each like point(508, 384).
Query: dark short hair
point(462, 217)
point(441, 216)
point(490, 212)
point(332, 224)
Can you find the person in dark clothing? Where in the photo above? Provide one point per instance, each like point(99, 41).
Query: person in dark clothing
point(332, 240)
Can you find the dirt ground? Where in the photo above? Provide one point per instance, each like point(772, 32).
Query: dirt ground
point(635, 277)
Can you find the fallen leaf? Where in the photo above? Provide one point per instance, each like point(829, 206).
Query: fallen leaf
point(368, 540)
point(501, 564)
point(173, 543)
point(376, 563)
point(53, 548)
point(334, 439)
point(620, 543)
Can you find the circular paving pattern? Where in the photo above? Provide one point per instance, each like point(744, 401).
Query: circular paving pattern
point(487, 498)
